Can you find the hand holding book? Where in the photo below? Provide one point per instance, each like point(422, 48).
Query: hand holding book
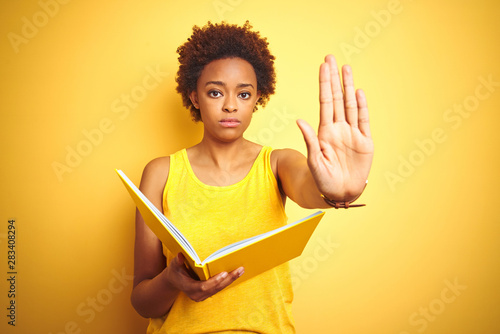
point(179, 276)
point(256, 254)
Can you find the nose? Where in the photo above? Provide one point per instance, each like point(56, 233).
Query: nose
point(230, 104)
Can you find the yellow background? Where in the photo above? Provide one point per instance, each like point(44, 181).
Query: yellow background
point(432, 217)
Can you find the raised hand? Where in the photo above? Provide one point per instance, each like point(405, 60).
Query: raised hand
point(340, 155)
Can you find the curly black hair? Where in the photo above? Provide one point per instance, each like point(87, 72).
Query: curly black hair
point(220, 41)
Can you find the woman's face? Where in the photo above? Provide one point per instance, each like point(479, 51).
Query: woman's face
point(226, 95)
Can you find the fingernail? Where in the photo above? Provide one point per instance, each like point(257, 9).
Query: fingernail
point(241, 272)
point(222, 276)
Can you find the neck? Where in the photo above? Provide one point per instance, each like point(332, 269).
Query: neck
point(222, 154)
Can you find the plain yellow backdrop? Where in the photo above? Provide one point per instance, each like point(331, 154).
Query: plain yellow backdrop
point(89, 86)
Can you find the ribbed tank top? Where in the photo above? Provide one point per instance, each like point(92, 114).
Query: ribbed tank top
point(212, 217)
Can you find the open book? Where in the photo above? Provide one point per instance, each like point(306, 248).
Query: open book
point(256, 254)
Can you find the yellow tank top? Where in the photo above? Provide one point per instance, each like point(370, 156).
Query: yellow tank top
point(212, 217)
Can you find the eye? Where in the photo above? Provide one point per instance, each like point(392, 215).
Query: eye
point(245, 95)
point(214, 93)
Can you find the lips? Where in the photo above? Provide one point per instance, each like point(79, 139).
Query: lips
point(229, 122)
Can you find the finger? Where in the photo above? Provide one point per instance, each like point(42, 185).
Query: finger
point(178, 261)
point(230, 278)
point(186, 268)
point(325, 95)
point(178, 274)
point(351, 105)
point(180, 266)
point(336, 87)
point(201, 290)
point(223, 279)
point(216, 283)
point(363, 117)
point(310, 138)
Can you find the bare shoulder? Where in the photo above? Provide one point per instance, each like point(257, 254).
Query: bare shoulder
point(158, 165)
point(285, 155)
point(283, 161)
point(155, 176)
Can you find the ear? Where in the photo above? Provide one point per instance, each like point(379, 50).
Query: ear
point(194, 99)
point(257, 99)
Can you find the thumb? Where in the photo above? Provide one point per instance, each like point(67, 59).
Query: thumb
point(183, 267)
point(310, 137)
point(178, 261)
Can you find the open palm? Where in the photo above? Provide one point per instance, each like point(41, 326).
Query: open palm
point(340, 155)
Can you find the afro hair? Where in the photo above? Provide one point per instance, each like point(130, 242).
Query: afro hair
point(220, 41)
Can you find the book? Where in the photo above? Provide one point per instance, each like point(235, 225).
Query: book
point(256, 254)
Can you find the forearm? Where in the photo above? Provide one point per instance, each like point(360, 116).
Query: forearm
point(304, 191)
point(153, 298)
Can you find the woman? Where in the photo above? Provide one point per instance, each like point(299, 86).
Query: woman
point(227, 188)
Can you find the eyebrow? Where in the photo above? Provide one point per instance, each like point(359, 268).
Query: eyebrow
point(220, 83)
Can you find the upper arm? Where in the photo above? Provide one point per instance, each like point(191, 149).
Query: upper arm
point(149, 260)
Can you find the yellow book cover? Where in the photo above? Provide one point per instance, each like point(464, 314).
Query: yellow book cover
point(256, 254)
